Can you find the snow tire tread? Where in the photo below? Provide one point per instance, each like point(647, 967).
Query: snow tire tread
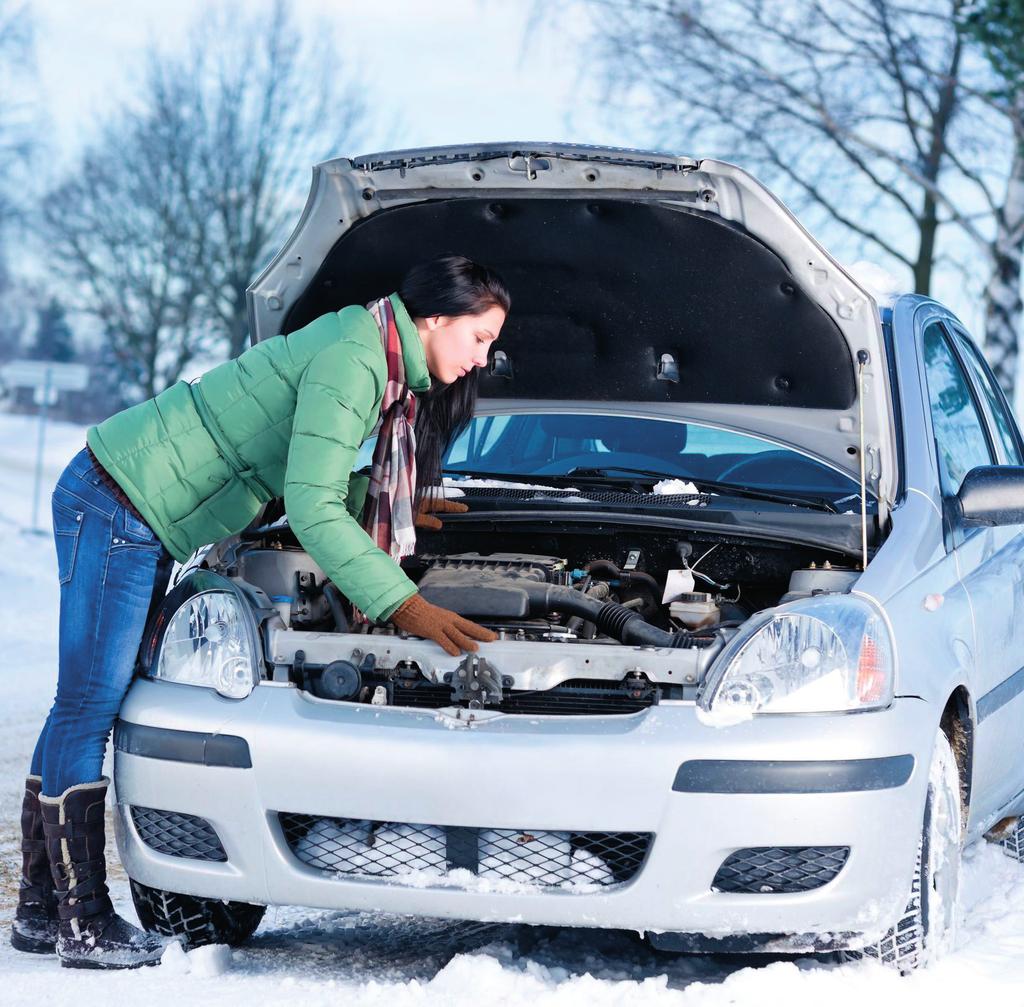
point(907, 946)
point(193, 920)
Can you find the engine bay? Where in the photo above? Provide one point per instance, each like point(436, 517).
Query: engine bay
point(640, 614)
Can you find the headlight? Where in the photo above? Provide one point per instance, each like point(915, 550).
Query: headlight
point(821, 655)
point(209, 642)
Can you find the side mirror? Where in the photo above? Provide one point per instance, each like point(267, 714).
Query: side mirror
point(992, 495)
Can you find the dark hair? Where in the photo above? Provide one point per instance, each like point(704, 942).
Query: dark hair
point(448, 285)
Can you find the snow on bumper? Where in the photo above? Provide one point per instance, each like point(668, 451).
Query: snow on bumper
point(851, 781)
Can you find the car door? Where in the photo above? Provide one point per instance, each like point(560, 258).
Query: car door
point(992, 562)
point(989, 562)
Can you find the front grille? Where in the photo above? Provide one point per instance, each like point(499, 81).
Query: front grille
point(178, 835)
point(574, 697)
point(776, 869)
point(570, 699)
point(524, 856)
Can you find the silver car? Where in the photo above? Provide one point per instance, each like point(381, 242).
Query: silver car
point(752, 546)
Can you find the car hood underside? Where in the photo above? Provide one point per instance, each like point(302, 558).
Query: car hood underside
point(672, 282)
point(595, 306)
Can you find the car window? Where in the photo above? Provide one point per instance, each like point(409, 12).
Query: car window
point(996, 403)
point(493, 426)
point(960, 439)
point(539, 444)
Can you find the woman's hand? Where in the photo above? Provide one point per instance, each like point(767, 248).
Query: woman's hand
point(431, 505)
point(450, 631)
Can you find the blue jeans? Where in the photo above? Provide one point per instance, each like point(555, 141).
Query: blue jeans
point(112, 568)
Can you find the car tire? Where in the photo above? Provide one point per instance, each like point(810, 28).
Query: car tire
point(193, 920)
point(926, 929)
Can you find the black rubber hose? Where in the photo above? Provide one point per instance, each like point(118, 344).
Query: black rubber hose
point(612, 619)
point(599, 589)
point(637, 576)
point(334, 601)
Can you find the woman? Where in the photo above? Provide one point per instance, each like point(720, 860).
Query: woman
point(195, 464)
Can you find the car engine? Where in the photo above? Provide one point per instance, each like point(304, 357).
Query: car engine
point(601, 600)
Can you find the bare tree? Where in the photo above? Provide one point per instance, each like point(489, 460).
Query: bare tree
point(853, 108)
point(15, 131)
point(998, 26)
point(265, 108)
point(15, 147)
point(117, 229)
point(880, 116)
point(188, 193)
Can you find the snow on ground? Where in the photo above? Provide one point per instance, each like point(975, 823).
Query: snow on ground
point(314, 957)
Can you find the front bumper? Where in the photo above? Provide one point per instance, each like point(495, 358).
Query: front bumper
point(593, 774)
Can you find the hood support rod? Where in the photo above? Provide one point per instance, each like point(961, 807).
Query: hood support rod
point(862, 359)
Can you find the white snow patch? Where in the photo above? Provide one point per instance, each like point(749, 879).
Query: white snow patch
point(532, 862)
point(667, 487)
point(466, 881)
point(175, 959)
point(589, 871)
point(674, 487)
point(389, 852)
point(512, 872)
point(206, 962)
point(372, 851)
point(451, 484)
point(212, 960)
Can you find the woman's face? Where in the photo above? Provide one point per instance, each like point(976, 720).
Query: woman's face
point(455, 344)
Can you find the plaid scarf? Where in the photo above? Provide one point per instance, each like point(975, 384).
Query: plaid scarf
point(388, 513)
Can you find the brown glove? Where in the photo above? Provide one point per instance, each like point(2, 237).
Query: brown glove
point(424, 518)
point(450, 631)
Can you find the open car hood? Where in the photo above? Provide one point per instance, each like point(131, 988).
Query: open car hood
point(635, 277)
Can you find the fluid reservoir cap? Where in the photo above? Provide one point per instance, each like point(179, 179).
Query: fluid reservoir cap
point(340, 680)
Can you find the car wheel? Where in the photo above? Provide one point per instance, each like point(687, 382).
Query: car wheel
point(195, 921)
point(927, 928)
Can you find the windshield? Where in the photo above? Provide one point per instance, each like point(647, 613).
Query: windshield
point(549, 444)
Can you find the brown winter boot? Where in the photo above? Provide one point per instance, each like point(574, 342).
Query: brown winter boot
point(35, 920)
point(91, 935)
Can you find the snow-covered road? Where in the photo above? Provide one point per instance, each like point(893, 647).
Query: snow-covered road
point(313, 957)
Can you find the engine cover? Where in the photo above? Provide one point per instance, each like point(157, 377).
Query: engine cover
point(491, 586)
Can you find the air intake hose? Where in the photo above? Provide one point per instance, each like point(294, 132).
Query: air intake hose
point(610, 618)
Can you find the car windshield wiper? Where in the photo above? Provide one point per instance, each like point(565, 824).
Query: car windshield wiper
point(710, 485)
point(607, 474)
point(578, 474)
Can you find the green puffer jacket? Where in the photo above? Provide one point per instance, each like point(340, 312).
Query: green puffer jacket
point(286, 418)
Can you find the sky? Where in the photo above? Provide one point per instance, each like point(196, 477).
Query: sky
point(436, 72)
